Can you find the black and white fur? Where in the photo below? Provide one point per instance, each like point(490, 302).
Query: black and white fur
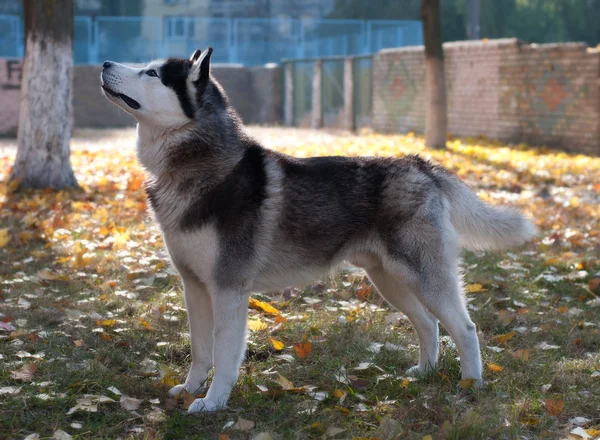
point(237, 218)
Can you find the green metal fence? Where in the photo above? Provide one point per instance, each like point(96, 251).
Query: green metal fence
point(342, 99)
point(362, 68)
point(302, 75)
point(332, 92)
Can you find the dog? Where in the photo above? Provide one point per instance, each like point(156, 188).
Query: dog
point(238, 218)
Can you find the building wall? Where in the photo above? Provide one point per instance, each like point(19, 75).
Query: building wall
point(162, 9)
point(504, 89)
point(254, 92)
point(553, 92)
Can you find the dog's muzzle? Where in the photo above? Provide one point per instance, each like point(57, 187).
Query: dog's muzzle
point(106, 80)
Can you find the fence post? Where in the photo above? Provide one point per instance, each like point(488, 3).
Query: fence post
point(288, 111)
point(317, 103)
point(96, 46)
point(349, 95)
point(230, 43)
point(235, 41)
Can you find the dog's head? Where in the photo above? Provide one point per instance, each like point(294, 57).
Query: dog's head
point(164, 93)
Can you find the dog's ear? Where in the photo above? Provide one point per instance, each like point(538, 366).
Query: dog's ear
point(201, 66)
point(195, 55)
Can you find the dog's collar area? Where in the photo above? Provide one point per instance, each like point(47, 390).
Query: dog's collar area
point(126, 99)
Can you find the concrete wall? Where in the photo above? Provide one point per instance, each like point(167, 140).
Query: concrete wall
point(254, 92)
point(504, 89)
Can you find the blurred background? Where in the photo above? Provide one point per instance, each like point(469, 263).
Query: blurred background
point(515, 70)
point(254, 32)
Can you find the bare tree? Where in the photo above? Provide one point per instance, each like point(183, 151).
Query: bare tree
point(45, 114)
point(436, 121)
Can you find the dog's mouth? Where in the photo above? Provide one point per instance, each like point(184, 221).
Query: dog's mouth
point(126, 99)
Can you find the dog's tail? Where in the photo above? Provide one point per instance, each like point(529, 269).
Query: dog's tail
point(480, 225)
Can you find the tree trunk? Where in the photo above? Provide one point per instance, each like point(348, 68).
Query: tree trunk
point(45, 114)
point(436, 120)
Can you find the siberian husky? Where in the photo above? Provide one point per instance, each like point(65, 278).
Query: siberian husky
point(238, 218)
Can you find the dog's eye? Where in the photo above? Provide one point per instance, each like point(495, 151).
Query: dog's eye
point(151, 72)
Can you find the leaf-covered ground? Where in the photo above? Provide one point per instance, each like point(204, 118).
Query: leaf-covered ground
point(93, 328)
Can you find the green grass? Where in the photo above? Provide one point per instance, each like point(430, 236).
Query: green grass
point(433, 405)
point(127, 259)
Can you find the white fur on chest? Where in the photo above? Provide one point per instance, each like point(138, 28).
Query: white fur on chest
point(196, 251)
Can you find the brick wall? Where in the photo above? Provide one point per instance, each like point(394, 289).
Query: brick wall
point(398, 90)
point(505, 89)
point(254, 92)
point(552, 91)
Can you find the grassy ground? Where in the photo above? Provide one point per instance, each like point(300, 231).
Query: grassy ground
point(90, 309)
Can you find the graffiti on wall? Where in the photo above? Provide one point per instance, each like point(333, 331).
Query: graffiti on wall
point(399, 92)
point(549, 99)
point(10, 85)
point(10, 75)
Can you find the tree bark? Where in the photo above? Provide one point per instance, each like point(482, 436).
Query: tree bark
point(45, 114)
point(436, 119)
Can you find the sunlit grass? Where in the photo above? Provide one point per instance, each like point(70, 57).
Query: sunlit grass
point(71, 261)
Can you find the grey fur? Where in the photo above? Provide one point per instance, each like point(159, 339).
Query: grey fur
point(238, 218)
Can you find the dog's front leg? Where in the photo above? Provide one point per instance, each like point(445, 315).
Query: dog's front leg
point(200, 317)
point(230, 313)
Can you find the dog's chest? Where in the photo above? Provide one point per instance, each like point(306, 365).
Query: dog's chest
point(194, 252)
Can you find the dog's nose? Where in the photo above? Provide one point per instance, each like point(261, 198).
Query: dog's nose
point(106, 64)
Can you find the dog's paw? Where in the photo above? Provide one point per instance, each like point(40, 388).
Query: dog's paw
point(204, 405)
point(176, 390)
point(417, 371)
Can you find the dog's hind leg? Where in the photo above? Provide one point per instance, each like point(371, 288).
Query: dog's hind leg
point(424, 254)
point(200, 317)
point(230, 312)
point(399, 295)
point(429, 265)
point(441, 293)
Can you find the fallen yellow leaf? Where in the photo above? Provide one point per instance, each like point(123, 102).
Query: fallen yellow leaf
point(257, 325)
point(110, 323)
point(505, 337)
point(261, 305)
point(494, 368)
point(474, 288)
point(277, 345)
point(467, 384)
point(168, 378)
point(145, 324)
point(4, 237)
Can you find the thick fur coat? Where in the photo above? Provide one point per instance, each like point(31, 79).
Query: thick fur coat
point(238, 218)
